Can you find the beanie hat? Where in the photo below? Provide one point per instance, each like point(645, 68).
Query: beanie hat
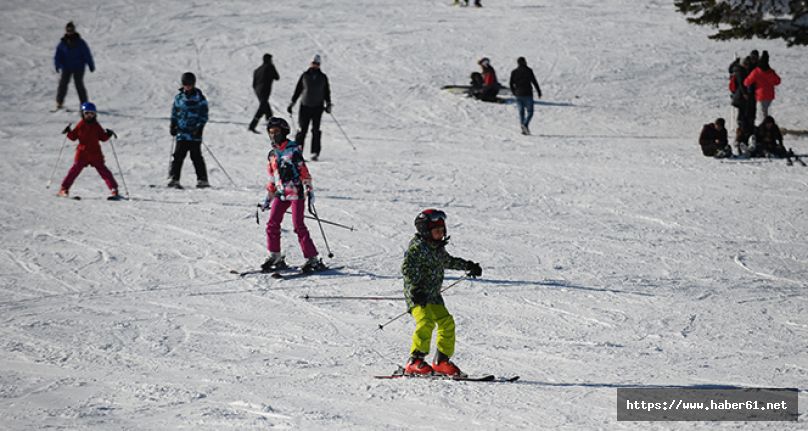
point(316, 59)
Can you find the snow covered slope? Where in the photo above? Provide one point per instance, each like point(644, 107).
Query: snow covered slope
point(614, 254)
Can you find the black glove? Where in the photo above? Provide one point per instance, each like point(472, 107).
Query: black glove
point(173, 129)
point(473, 269)
point(289, 108)
point(419, 297)
point(198, 132)
point(110, 133)
point(67, 129)
point(328, 108)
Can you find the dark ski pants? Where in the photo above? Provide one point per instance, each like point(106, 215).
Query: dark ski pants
point(306, 115)
point(78, 79)
point(264, 110)
point(99, 166)
point(182, 148)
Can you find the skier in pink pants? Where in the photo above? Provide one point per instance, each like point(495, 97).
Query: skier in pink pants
point(288, 178)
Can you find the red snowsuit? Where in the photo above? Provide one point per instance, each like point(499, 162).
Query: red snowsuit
point(89, 153)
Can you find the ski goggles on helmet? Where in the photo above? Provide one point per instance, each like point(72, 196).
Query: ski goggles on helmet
point(433, 215)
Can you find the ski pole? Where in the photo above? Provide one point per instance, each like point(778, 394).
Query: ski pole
point(357, 298)
point(58, 159)
point(220, 165)
point(382, 325)
point(313, 212)
point(342, 130)
point(350, 228)
point(123, 180)
point(171, 155)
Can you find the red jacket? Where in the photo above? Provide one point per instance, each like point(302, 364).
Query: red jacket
point(89, 135)
point(764, 82)
point(489, 77)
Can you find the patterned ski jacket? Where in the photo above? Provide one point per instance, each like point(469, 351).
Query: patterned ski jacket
point(423, 267)
point(89, 135)
point(189, 115)
point(288, 174)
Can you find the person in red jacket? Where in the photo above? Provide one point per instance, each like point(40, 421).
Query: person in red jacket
point(88, 153)
point(764, 79)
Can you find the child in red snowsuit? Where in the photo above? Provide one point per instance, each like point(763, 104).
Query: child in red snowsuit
point(88, 153)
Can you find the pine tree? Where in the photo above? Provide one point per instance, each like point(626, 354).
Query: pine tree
point(744, 19)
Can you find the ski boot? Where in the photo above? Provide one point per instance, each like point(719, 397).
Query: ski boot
point(174, 184)
point(202, 184)
point(273, 263)
point(444, 366)
point(114, 196)
point(416, 366)
point(313, 264)
point(63, 193)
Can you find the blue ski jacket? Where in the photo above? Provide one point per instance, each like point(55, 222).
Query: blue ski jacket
point(72, 55)
point(189, 115)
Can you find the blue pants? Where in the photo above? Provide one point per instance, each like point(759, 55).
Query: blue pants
point(525, 106)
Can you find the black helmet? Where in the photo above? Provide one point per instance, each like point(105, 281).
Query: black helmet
point(188, 78)
point(279, 123)
point(429, 219)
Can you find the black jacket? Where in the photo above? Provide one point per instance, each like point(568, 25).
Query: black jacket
point(521, 79)
point(313, 86)
point(262, 79)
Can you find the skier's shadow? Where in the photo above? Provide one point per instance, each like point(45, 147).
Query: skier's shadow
point(626, 385)
point(556, 284)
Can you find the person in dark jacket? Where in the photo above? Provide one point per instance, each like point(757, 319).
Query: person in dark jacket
point(713, 140)
point(743, 98)
point(522, 82)
point(262, 85)
point(315, 96)
point(71, 58)
point(769, 139)
point(189, 114)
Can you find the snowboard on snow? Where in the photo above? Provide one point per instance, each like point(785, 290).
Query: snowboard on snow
point(465, 90)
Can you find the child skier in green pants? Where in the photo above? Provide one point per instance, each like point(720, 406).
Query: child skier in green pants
point(423, 267)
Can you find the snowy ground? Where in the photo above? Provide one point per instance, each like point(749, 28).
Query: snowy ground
point(614, 253)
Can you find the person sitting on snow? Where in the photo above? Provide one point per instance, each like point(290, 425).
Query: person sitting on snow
point(490, 85)
point(713, 140)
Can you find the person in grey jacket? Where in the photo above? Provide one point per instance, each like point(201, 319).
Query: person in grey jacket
point(262, 85)
point(522, 82)
point(315, 97)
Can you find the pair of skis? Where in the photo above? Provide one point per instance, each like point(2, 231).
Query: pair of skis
point(289, 273)
point(399, 374)
point(109, 198)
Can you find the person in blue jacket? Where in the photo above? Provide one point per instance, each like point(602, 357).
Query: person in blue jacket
point(71, 58)
point(189, 113)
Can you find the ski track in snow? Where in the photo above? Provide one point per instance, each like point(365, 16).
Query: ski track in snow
point(614, 254)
